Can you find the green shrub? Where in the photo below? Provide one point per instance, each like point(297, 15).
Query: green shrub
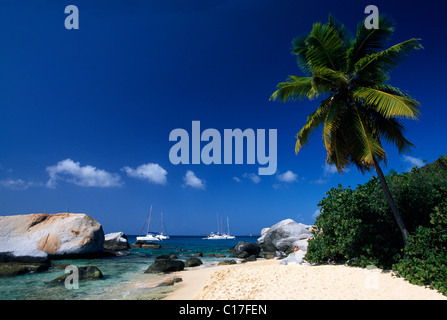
point(358, 225)
point(425, 262)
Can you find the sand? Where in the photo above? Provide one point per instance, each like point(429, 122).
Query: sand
point(268, 280)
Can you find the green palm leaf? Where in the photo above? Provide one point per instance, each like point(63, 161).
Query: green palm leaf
point(391, 130)
point(368, 41)
point(325, 48)
point(296, 88)
point(387, 104)
point(385, 60)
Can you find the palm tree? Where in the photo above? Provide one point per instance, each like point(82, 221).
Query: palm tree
point(359, 109)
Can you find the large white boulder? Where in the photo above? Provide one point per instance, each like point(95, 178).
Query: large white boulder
point(116, 241)
point(35, 237)
point(284, 235)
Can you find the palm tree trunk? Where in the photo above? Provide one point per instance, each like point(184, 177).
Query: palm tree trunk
point(389, 198)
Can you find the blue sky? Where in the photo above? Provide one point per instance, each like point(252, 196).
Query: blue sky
point(85, 115)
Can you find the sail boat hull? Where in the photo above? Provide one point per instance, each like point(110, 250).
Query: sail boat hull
point(148, 238)
point(223, 236)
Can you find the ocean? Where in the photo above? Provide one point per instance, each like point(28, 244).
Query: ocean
point(124, 276)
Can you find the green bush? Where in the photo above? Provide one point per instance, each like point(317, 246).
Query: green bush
point(425, 262)
point(358, 225)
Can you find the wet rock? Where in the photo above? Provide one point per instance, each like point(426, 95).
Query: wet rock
point(245, 249)
point(116, 241)
point(249, 259)
point(145, 245)
point(227, 262)
point(193, 262)
point(19, 268)
point(164, 264)
point(84, 273)
point(170, 282)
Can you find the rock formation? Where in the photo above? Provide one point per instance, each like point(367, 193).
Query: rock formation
point(284, 235)
point(116, 241)
point(38, 237)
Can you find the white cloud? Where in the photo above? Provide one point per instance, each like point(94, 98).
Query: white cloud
point(151, 172)
point(86, 176)
point(414, 161)
point(236, 179)
point(17, 184)
point(287, 176)
point(329, 169)
point(316, 213)
point(319, 181)
point(192, 181)
point(253, 177)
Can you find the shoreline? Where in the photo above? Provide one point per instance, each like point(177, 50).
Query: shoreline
point(268, 280)
point(193, 282)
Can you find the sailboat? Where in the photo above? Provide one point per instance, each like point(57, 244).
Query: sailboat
point(220, 236)
point(148, 236)
point(227, 235)
point(160, 235)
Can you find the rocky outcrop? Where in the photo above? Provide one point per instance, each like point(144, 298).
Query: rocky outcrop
point(145, 245)
point(84, 273)
point(38, 237)
point(227, 262)
point(284, 236)
point(19, 268)
point(193, 262)
point(116, 241)
point(169, 282)
point(245, 249)
point(164, 264)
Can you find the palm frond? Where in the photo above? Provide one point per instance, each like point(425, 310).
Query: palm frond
point(299, 49)
point(325, 48)
point(364, 145)
point(330, 122)
point(338, 154)
point(368, 41)
point(296, 88)
point(342, 31)
point(386, 59)
point(327, 78)
point(387, 104)
point(391, 130)
point(314, 120)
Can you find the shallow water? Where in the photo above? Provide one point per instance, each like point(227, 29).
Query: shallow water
point(124, 276)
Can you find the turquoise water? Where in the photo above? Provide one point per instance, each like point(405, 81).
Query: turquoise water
point(124, 276)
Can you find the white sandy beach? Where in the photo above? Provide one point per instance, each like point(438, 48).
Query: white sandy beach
point(268, 280)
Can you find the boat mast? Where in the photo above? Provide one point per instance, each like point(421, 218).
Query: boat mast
point(228, 226)
point(217, 213)
point(221, 225)
point(149, 221)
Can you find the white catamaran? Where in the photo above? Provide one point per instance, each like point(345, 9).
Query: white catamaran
point(160, 235)
point(220, 236)
point(148, 236)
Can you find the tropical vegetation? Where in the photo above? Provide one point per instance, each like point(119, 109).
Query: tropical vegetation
point(360, 110)
point(397, 221)
point(356, 225)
